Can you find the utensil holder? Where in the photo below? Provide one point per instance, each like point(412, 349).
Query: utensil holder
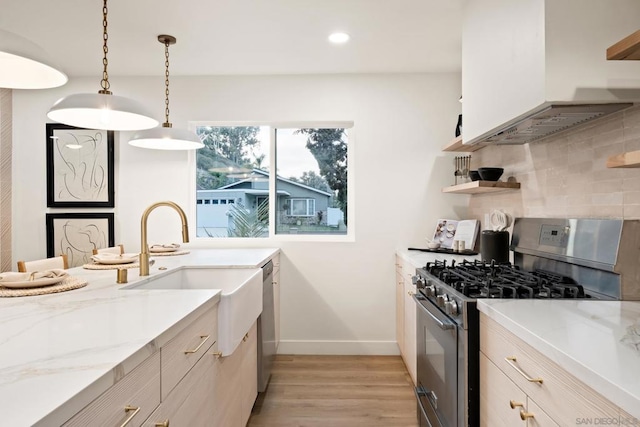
point(494, 246)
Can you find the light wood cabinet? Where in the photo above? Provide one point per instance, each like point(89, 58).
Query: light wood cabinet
point(175, 383)
point(540, 418)
point(553, 396)
point(406, 315)
point(249, 373)
point(186, 382)
point(498, 394)
point(183, 352)
point(132, 398)
point(276, 296)
point(236, 386)
point(191, 402)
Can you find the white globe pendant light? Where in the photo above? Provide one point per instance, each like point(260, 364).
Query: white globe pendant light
point(102, 110)
point(166, 137)
point(25, 65)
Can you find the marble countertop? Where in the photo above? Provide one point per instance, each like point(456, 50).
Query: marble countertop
point(596, 341)
point(58, 352)
point(419, 258)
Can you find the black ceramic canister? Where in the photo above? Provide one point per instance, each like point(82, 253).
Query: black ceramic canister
point(494, 245)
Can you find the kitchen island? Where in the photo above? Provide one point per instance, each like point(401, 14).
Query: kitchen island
point(61, 351)
point(597, 342)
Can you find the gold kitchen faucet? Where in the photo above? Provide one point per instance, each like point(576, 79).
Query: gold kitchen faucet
point(144, 246)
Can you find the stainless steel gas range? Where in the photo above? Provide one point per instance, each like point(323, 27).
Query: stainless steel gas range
point(553, 259)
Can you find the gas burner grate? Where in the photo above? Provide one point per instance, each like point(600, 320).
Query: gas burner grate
point(479, 279)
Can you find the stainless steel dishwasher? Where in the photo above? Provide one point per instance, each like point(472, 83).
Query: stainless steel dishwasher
point(266, 329)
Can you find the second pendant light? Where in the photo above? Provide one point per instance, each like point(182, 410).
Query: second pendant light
point(166, 137)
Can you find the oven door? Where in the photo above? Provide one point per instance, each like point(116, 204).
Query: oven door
point(437, 365)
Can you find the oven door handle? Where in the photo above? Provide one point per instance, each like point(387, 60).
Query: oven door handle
point(443, 324)
point(434, 420)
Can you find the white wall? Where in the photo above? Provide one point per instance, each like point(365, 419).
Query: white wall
point(338, 294)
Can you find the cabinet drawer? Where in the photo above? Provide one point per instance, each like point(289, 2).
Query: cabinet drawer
point(138, 390)
point(539, 417)
point(191, 402)
point(182, 352)
point(563, 397)
point(497, 392)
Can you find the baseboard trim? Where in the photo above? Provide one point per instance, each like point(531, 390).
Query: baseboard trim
point(365, 348)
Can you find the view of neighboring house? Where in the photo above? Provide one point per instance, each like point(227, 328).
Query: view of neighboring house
point(297, 205)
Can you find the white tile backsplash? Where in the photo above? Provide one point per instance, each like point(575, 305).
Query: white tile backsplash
point(566, 175)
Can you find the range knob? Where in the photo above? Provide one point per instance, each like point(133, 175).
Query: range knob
point(451, 307)
point(430, 290)
point(418, 281)
point(442, 300)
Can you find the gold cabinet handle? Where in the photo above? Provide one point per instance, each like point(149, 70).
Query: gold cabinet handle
point(195, 350)
point(524, 415)
point(511, 361)
point(246, 337)
point(165, 423)
point(130, 408)
point(515, 404)
point(217, 354)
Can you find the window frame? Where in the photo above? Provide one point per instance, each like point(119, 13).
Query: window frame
point(303, 199)
point(349, 236)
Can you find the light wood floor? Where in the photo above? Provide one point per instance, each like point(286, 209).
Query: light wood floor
point(337, 391)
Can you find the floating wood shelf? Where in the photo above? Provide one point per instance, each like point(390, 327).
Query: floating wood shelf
point(626, 49)
point(478, 187)
point(624, 160)
point(456, 145)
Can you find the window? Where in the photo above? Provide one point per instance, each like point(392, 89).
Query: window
point(302, 207)
point(312, 181)
point(307, 195)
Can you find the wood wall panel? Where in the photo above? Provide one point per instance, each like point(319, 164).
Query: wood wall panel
point(5, 179)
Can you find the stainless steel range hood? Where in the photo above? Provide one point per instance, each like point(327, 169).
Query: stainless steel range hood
point(532, 68)
point(549, 120)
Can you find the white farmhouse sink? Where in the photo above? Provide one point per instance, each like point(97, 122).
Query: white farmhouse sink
point(240, 300)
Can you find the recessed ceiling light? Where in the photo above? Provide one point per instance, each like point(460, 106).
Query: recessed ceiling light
point(339, 38)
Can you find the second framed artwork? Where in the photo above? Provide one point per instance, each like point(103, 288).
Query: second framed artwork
point(80, 167)
point(78, 234)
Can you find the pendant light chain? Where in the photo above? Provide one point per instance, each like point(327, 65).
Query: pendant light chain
point(105, 49)
point(166, 137)
point(166, 84)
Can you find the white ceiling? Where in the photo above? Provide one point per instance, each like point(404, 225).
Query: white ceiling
point(243, 36)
